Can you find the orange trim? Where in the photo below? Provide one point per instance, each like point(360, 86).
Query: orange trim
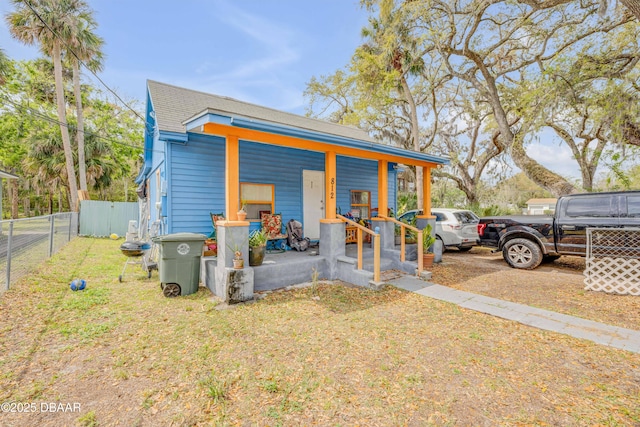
point(330, 185)
point(383, 186)
point(232, 176)
point(426, 191)
point(303, 144)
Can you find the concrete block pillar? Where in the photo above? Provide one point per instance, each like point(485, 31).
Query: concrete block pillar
point(231, 285)
point(422, 222)
point(387, 233)
point(332, 246)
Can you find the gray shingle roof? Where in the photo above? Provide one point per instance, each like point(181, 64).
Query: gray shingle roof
point(174, 105)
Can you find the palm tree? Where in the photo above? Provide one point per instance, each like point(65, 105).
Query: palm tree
point(4, 66)
point(395, 49)
point(84, 46)
point(48, 23)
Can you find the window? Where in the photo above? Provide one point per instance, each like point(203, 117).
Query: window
point(589, 207)
point(466, 217)
point(257, 199)
point(439, 216)
point(633, 206)
point(360, 204)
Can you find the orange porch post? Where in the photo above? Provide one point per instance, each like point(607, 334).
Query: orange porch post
point(383, 188)
point(330, 185)
point(426, 192)
point(232, 177)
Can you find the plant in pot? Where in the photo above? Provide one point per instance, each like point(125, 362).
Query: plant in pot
point(242, 214)
point(257, 247)
point(238, 261)
point(411, 236)
point(427, 243)
point(397, 234)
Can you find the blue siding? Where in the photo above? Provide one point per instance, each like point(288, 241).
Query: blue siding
point(355, 174)
point(195, 178)
point(196, 184)
point(392, 187)
point(268, 164)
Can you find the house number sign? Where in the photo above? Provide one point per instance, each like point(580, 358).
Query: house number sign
point(333, 181)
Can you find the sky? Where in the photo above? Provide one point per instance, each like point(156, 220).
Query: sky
point(259, 51)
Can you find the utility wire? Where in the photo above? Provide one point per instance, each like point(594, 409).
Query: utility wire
point(35, 112)
point(69, 49)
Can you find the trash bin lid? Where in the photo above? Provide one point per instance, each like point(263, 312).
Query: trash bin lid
point(180, 237)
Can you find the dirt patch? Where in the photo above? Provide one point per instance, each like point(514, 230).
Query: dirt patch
point(326, 354)
point(556, 286)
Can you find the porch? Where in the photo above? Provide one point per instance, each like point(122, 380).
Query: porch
point(331, 259)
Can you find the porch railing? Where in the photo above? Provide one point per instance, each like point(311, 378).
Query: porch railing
point(359, 239)
point(403, 227)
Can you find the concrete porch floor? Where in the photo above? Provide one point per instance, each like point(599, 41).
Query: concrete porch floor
point(281, 269)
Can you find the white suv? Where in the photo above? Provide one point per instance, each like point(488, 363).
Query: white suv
point(457, 228)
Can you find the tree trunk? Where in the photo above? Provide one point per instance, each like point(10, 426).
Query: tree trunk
point(633, 6)
point(14, 198)
point(62, 118)
point(415, 133)
point(550, 181)
point(82, 164)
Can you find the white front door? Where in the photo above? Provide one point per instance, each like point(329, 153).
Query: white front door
point(312, 202)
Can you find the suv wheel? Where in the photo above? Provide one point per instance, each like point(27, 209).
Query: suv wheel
point(522, 253)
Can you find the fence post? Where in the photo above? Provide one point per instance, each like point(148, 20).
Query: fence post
point(9, 243)
point(71, 216)
point(51, 230)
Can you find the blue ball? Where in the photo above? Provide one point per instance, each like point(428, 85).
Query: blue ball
point(77, 284)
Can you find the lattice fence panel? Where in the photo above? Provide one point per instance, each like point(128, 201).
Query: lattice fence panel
point(613, 260)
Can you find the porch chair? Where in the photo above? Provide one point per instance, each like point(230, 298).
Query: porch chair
point(214, 218)
point(272, 225)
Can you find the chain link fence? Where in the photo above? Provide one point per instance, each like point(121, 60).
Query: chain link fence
point(25, 243)
point(613, 260)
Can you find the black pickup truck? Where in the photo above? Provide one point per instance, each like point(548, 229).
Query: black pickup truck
point(528, 240)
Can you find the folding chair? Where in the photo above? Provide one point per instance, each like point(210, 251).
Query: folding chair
point(214, 218)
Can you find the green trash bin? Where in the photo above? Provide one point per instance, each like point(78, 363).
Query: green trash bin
point(179, 262)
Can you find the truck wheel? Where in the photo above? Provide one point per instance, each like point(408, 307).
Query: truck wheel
point(522, 253)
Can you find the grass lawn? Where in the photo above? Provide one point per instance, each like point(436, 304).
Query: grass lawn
point(328, 355)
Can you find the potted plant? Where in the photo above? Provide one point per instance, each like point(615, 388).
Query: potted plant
point(398, 239)
point(427, 243)
point(411, 236)
point(238, 261)
point(242, 214)
point(257, 247)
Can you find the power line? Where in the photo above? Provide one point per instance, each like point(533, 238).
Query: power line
point(67, 125)
point(69, 49)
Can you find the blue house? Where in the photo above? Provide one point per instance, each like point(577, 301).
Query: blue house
point(211, 154)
